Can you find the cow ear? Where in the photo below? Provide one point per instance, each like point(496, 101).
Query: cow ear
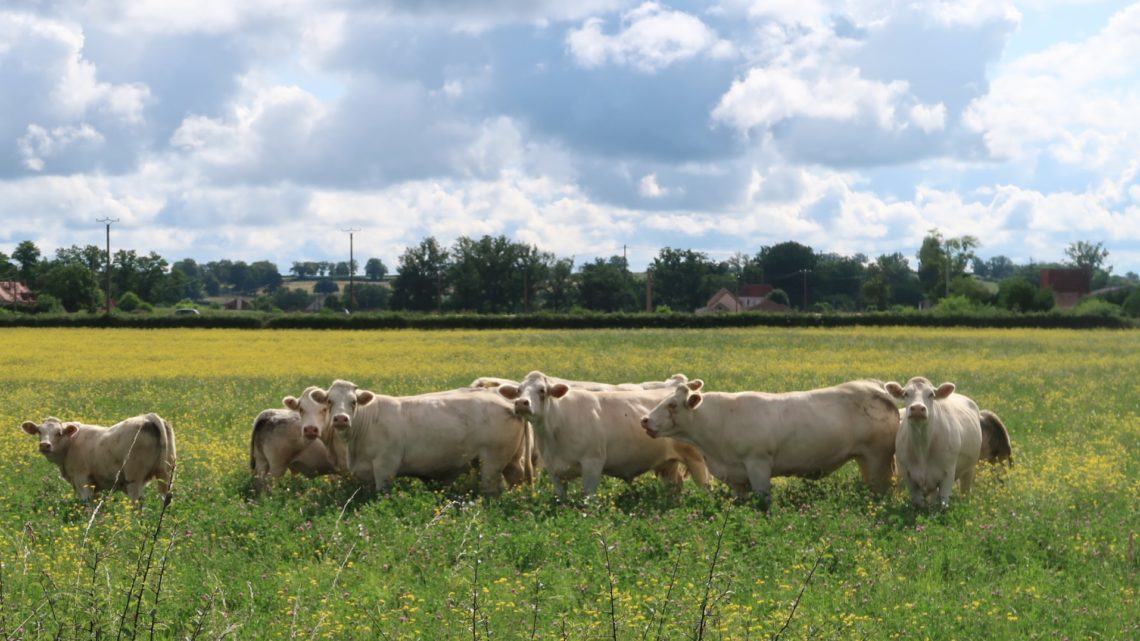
point(559, 390)
point(894, 389)
point(319, 395)
point(944, 390)
point(364, 397)
point(509, 392)
point(291, 402)
point(694, 401)
point(695, 384)
point(30, 428)
point(70, 428)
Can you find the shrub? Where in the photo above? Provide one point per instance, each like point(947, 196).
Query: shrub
point(1091, 306)
point(129, 302)
point(1131, 304)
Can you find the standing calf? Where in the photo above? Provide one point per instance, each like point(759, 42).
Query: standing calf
point(278, 443)
point(121, 457)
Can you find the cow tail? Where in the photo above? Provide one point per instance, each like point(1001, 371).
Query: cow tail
point(995, 439)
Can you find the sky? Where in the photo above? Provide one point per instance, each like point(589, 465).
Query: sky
point(264, 129)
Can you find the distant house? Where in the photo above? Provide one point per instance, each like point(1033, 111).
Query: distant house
point(1069, 285)
point(752, 298)
point(14, 293)
point(240, 303)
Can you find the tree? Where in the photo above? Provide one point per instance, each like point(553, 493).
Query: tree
point(606, 285)
point(972, 289)
point(1086, 255)
point(903, 284)
point(325, 286)
point(92, 257)
point(941, 260)
point(789, 266)
point(371, 296)
point(303, 270)
point(680, 278)
point(265, 275)
point(876, 287)
point(486, 274)
point(560, 286)
point(291, 300)
point(420, 278)
point(374, 269)
point(1019, 295)
point(747, 270)
point(838, 280)
point(28, 256)
point(74, 285)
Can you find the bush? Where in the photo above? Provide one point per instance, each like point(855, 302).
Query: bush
point(129, 302)
point(1090, 306)
point(957, 304)
point(1131, 305)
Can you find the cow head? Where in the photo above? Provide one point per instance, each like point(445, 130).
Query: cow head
point(532, 394)
point(335, 407)
point(662, 420)
point(53, 434)
point(918, 397)
point(314, 414)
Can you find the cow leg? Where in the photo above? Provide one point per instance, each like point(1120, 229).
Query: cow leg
point(877, 472)
point(84, 488)
point(591, 476)
point(669, 473)
point(966, 480)
point(135, 490)
point(559, 487)
point(491, 478)
point(383, 473)
point(945, 486)
point(760, 478)
point(917, 494)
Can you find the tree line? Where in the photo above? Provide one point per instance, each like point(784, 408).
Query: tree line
point(495, 275)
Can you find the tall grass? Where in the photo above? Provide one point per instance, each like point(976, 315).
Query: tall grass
point(1046, 549)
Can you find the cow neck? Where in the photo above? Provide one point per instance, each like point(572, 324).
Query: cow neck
point(921, 436)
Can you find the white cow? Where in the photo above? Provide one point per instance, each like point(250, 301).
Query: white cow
point(278, 443)
point(583, 433)
point(939, 441)
point(429, 436)
point(534, 460)
point(121, 457)
point(749, 437)
point(491, 382)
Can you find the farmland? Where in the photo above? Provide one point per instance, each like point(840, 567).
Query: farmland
point(1047, 549)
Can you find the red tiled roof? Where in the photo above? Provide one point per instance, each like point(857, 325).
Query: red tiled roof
point(755, 291)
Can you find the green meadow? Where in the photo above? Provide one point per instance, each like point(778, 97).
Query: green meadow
point(1045, 549)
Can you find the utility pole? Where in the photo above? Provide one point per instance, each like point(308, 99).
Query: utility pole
point(108, 221)
point(649, 290)
point(947, 252)
point(351, 265)
point(805, 272)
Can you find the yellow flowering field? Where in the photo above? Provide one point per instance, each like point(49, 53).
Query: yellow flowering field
point(1045, 549)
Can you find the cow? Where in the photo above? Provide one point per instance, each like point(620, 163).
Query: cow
point(278, 443)
point(749, 437)
point(428, 436)
point(940, 439)
point(123, 456)
point(996, 447)
point(534, 461)
point(583, 433)
point(491, 382)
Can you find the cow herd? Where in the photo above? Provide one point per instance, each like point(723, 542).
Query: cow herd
point(508, 430)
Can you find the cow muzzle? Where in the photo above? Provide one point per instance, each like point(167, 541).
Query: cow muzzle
point(522, 407)
point(917, 412)
point(45, 447)
point(647, 425)
point(310, 431)
point(341, 421)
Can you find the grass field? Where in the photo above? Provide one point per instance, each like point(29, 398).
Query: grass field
point(1045, 550)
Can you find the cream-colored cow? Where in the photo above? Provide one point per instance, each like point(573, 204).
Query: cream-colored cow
point(583, 433)
point(123, 456)
point(429, 436)
point(941, 439)
point(749, 437)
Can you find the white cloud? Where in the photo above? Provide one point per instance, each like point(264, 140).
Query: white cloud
point(651, 39)
point(1075, 101)
point(649, 188)
point(39, 144)
point(767, 96)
